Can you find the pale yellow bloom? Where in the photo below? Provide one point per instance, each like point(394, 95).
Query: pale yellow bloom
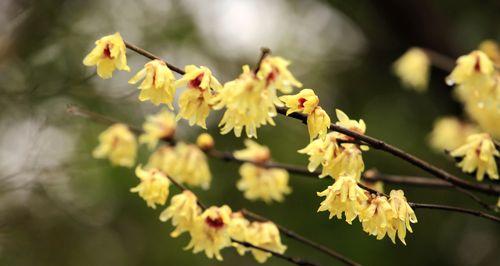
point(210, 232)
point(413, 69)
point(263, 183)
point(475, 65)
point(449, 133)
point(265, 235)
point(274, 71)
point(491, 49)
point(404, 215)
point(376, 216)
point(318, 123)
point(185, 163)
point(159, 126)
point(353, 125)
point(158, 85)
point(117, 144)
point(238, 230)
point(320, 151)
point(108, 55)
point(249, 104)
point(183, 211)
point(344, 196)
point(153, 187)
point(303, 102)
point(195, 102)
point(478, 154)
point(205, 142)
point(347, 160)
point(253, 152)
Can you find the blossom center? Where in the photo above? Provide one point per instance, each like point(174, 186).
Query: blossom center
point(195, 83)
point(107, 52)
point(301, 102)
point(216, 223)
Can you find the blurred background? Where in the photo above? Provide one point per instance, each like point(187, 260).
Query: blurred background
point(58, 206)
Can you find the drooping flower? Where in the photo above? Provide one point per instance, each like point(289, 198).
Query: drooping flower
point(265, 235)
point(158, 85)
point(478, 154)
point(274, 71)
point(320, 151)
point(163, 159)
point(183, 210)
point(205, 142)
point(153, 187)
point(108, 55)
point(491, 49)
point(159, 126)
point(118, 144)
point(238, 230)
point(404, 215)
point(413, 69)
point(353, 125)
point(318, 123)
point(262, 183)
point(249, 104)
point(210, 232)
point(194, 103)
point(347, 160)
point(303, 102)
point(376, 216)
point(344, 196)
point(253, 152)
point(470, 68)
point(449, 133)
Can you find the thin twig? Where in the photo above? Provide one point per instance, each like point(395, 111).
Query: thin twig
point(373, 142)
point(454, 209)
point(439, 60)
point(291, 234)
point(264, 51)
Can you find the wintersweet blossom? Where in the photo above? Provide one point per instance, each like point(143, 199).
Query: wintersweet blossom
point(183, 210)
point(158, 85)
point(404, 215)
point(344, 196)
point(469, 68)
point(253, 152)
point(376, 216)
point(153, 187)
point(194, 103)
point(262, 183)
point(205, 142)
point(210, 232)
point(318, 123)
point(413, 69)
point(353, 125)
point(303, 102)
point(347, 160)
point(163, 159)
point(274, 71)
point(265, 235)
point(108, 55)
point(491, 49)
point(320, 151)
point(238, 230)
point(449, 133)
point(478, 154)
point(118, 144)
point(159, 126)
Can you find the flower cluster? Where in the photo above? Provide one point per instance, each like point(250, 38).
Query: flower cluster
point(267, 184)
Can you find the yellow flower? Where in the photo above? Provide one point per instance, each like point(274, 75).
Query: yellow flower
point(413, 69)
point(478, 154)
point(274, 71)
point(108, 55)
point(205, 142)
point(344, 121)
point(183, 211)
point(320, 151)
point(303, 102)
point(253, 152)
point(261, 183)
point(249, 104)
point(163, 159)
point(344, 196)
point(347, 160)
point(153, 187)
point(491, 49)
point(376, 216)
point(118, 144)
point(210, 232)
point(471, 67)
point(238, 230)
point(318, 123)
point(158, 85)
point(404, 215)
point(265, 235)
point(157, 127)
point(194, 103)
point(449, 133)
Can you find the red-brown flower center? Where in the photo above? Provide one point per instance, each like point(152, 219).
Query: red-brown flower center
point(477, 66)
point(107, 51)
point(195, 83)
point(216, 223)
point(301, 102)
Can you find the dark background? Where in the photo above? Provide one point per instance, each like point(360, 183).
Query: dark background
point(58, 206)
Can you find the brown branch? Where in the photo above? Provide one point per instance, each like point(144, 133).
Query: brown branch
point(153, 57)
point(454, 209)
point(227, 156)
point(439, 60)
point(264, 52)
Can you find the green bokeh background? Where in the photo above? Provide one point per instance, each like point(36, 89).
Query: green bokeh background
point(61, 207)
